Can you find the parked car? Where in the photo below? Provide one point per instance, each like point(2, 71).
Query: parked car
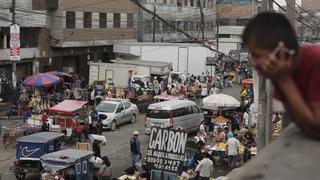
point(118, 111)
point(175, 114)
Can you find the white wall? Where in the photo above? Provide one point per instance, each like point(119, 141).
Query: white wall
point(192, 57)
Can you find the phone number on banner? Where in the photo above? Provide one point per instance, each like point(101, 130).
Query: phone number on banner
point(164, 164)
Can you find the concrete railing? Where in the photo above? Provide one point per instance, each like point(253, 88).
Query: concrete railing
point(292, 156)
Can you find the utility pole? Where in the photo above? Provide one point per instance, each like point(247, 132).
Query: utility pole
point(141, 22)
point(14, 65)
point(154, 25)
point(264, 100)
point(217, 31)
point(291, 12)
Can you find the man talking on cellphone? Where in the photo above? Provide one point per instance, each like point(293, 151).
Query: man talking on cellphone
point(294, 70)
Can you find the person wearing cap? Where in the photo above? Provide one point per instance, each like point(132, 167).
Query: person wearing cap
point(135, 149)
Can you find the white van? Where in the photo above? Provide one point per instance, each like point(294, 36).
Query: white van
point(175, 114)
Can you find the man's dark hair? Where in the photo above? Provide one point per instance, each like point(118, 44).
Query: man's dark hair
point(267, 29)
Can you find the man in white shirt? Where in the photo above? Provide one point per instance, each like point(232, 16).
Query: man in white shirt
point(233, 146)
point(205, 168)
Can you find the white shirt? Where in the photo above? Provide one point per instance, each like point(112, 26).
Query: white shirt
point(205, 167)
point(233, 146)
point(246, 118)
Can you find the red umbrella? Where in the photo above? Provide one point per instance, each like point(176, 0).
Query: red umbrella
point(41, 80)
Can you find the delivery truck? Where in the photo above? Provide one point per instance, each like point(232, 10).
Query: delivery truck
point(117, 74)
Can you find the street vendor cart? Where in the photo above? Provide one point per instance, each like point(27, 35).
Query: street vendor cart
point(70, 164)
point(30, 148)
point(71, 118)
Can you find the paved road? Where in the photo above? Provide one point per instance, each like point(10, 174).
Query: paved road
point(117, 148)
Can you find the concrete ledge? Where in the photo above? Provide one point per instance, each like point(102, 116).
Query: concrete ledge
point(292, 156)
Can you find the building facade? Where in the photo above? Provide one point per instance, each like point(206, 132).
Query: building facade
point(83, 31)
point(232, 17)
point(311, 5)
point(33, 42)
point(183, 14)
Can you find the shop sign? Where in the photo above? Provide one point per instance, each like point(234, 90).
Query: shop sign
point(166, 149)
point(15, 42)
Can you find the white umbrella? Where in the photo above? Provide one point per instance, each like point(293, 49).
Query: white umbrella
point(216, 101)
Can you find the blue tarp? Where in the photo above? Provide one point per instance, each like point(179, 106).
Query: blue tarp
point(41, 137)
point(67, 156)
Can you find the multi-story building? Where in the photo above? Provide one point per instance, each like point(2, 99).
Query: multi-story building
point(84, 30)
point(308, 28)
point(232, 17)
point(184, 14)
point(33, 42)
point(311, 5)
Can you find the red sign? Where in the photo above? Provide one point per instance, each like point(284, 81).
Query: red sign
point(15, 42)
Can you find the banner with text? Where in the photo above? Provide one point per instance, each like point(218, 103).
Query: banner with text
point(166, 150)
point(15, 42)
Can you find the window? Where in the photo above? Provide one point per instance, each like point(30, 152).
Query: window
point(127, 105)
point(195, 109)
point(37, 5)
point(148, 26)
point(158, 114)
point(198, 3)
point(116, 20)
point(87, 20)
point(103, 20)
point(192, 3)
point(182, 111)
point(185, 26)
point(185, 2)
point(191, 26)
point(84, 167)
point(173, 23)
point(179, 24)
point(70, 20)
point(243, 22)
point(224, 35)
point(157, 25)
point(165, 27)
point(78, 168)
point(130, 20)
point(198, 26)
point(120, 108)
point(179, 3)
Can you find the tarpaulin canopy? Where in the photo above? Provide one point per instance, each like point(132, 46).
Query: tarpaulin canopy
point(67, 107)
point(62, 159)
point(41, 137)
point(217, 101)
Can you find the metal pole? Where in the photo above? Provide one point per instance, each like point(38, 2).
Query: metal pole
point(154, 25)
point(14, 65)
point(217, 33)
point(291, 12)
point(141, 23)
point(264, 100)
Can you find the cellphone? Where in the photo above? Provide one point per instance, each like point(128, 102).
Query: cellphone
point(276, 52)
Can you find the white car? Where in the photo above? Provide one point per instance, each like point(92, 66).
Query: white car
point(118, 111)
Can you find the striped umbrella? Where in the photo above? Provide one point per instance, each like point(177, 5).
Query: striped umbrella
point(41, 80)
point(57, 73)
